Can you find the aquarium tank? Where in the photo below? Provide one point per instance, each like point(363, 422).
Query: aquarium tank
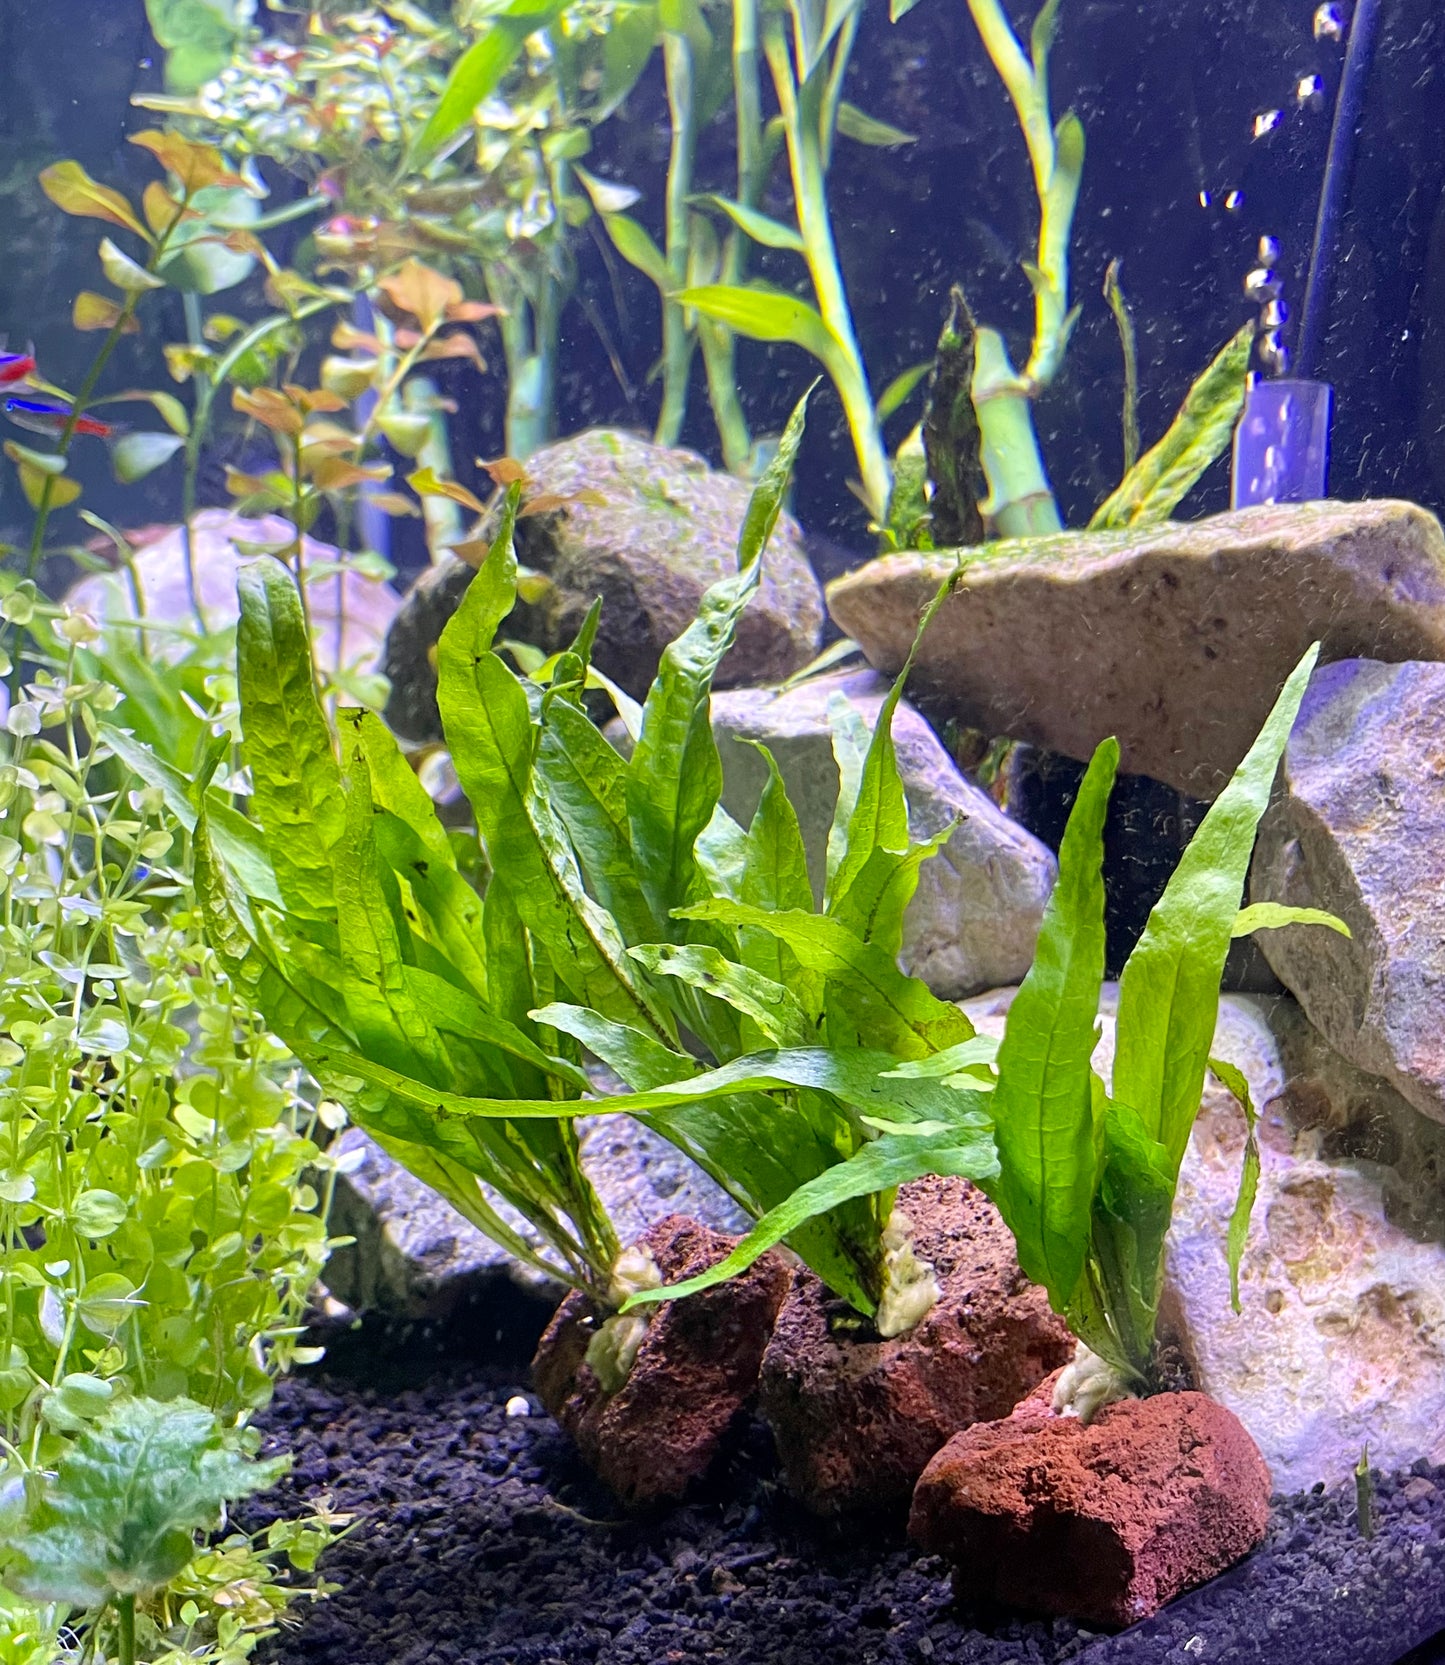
point(722, 779)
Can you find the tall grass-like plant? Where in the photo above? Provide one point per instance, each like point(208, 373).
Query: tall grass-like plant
point(1086, 1171)
point(626, 914)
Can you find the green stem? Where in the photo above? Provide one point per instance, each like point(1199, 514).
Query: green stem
point(803, 108)
point(677, 340)
point(125, 1608)
point(205, 395)
point(1020, 500)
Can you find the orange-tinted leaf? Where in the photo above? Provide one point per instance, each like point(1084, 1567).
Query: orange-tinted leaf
point(271, 409)
point(392, 503)
point(195, 165)
point(244, 485)
point(457, 345)
point(422, 292)
point(544, 503)
point(407, 339)
point(242, 241)
point(73, 191)
point(312, 399)
point(350, 339)
point(340, 473)
point(473, 551)
point(426, 484)
point(472, 312)
point(506, 471)
point(99, 312)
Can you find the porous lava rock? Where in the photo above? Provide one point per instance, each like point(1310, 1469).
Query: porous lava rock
point(1359, 830)
point(1103, 1524)
point(695, 1370)
point(855, 1417)
point(1174, 638)
point(647, 528)
point(975, 915)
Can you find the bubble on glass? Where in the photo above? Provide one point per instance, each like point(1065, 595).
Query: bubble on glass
point(1330, 22)
point(1309, 93)
point(1268, 250)
point(1233, 201)
point(1266, 122)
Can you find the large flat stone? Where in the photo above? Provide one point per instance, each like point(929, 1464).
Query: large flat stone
point(975, 916)
point(1341, 1338)
point(1359, 829)
point(1176, 639)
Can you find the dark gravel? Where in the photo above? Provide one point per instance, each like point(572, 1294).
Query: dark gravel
point(484, 1542)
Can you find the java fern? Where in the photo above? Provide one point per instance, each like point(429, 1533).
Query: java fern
point(627, 917)
point(1087, 1170)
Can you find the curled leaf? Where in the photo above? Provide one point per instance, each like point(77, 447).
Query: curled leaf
point(268, 407)
point(73, 191)
point(196, 165)
point(99, 312)
point(133, 456)
point(425, 483)
point(423, 292)
point(124, 272)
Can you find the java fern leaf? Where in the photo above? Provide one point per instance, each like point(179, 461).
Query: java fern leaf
point(1199, 435)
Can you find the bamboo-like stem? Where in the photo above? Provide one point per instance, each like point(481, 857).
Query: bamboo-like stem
point(677, 339)
point(719, 345)
point(1020, 502)
point(803, 109)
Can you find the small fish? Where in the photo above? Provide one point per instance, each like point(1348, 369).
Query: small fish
point(16, 367)
point(49, 416)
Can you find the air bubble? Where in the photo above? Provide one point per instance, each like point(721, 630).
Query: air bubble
point(1233, 201)
point(1266, 122)
point(1330, 22)
point(1310, 92)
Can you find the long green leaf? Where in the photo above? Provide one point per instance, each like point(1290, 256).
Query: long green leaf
point(856, 1075)
point(674, 778)
point(237, 839)
point(487, 719)
point(1200, 433)
point(775, 878)
point(871, 1001)
point(637, 248)
point(772, 234)
point(881, 1165)
point(779, 1018)
point(1169, 992)
point(1271, 916)
point(296, 794)
point(1237, 1082)
point(478, 73)
point(763, 315)
point(1042, 1105)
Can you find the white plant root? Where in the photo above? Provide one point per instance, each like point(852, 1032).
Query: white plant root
point(1087, 1385)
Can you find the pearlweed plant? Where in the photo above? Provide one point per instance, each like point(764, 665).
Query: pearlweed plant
point(161, 1224)
point(627, 917)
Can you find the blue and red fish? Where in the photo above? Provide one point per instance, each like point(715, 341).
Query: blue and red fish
point(16, 367)
point(51, 417)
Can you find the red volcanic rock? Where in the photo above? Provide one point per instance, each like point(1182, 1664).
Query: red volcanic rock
point(855, 1418)
point(696, 1368)
point(1105, 1523)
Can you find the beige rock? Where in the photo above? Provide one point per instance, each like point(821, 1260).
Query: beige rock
point(1359, 830)
point(350, 613)
point(1175, 639)
point(1341, 1338)
point(975, 916)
